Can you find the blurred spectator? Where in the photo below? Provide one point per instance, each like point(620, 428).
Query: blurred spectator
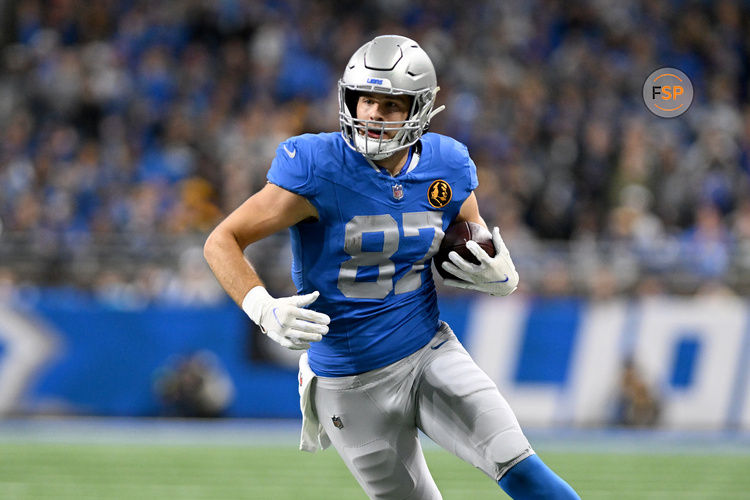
point(650, 286)
point(637, 406)
point(113, 290)
point(706, 245)
point(8, 285)
point(194, 283)
point(603, 284)
point(194, 385)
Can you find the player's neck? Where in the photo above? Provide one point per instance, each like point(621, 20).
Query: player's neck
point(394, 163)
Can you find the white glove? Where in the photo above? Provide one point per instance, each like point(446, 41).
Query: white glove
point(494, 275)
point(284, 320)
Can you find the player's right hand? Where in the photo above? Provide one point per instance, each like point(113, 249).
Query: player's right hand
point(284, 319)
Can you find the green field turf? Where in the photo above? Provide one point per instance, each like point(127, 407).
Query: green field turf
point(33, 470)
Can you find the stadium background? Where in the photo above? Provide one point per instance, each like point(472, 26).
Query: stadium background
point(129, 128)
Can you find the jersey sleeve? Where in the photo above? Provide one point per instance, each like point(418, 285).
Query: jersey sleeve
point(292, 168)
point(471, 169)
point(465, 168)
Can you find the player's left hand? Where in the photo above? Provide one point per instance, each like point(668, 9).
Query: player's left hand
point(494, 275)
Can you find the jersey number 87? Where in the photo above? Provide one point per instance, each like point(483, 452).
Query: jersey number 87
point(387, 225)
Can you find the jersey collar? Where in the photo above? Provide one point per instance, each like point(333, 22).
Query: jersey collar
point(411, 161)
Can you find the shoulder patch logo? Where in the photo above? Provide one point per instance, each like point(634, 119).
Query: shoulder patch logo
point(439, 193)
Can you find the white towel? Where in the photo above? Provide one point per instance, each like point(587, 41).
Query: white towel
point(313, 437)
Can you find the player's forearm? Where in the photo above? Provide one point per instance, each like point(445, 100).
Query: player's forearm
point(228, 263)
point(470, 211)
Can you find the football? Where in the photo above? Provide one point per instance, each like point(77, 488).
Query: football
point(455, 239)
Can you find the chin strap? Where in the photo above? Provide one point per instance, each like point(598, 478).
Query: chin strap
point(372, 164)
point(366, 143)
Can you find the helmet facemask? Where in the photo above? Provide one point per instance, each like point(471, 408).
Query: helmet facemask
point(407, 132)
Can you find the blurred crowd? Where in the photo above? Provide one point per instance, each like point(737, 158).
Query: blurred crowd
point(127, 121)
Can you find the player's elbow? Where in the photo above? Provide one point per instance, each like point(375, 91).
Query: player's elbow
point(209, 247)
point(217, 243)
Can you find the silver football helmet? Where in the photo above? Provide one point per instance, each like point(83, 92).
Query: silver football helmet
point(389, 64)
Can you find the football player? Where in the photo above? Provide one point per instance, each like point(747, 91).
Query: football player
point(367, 207)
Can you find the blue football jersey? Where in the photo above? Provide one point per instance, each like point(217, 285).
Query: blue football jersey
point(370, 251)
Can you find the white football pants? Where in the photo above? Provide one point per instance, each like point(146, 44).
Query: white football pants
point(372, 419)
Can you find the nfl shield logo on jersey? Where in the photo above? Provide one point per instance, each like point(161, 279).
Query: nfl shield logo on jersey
point(398, 191)
point(337, 422)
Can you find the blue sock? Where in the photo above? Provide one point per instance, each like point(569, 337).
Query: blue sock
point(531, 479)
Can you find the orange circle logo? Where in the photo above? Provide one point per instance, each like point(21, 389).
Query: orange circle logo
point(439, 194)
point(668, 92)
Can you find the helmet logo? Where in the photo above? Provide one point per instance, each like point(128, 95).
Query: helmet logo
point(376, 81)
point(439, 193)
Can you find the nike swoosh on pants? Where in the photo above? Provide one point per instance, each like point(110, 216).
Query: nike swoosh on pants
point(438, 346)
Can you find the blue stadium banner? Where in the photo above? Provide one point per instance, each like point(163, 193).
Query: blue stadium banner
point(558, 361)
